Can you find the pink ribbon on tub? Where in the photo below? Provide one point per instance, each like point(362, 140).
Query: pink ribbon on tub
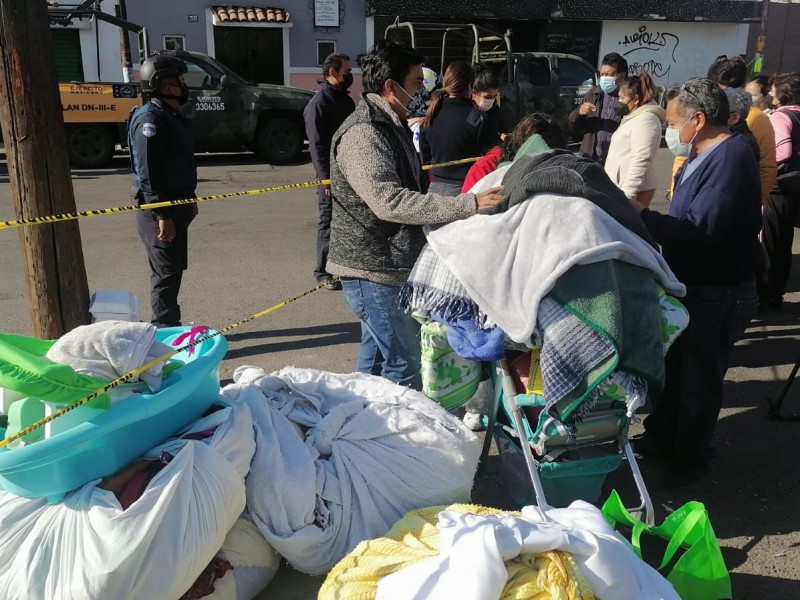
point(190, 336)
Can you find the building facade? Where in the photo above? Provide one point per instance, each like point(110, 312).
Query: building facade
point(672, 40)
point(264, 44)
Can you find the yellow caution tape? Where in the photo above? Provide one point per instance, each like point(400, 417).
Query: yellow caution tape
point(136, 372)
point(121, 209)
point(133, 207)
point(461, 161)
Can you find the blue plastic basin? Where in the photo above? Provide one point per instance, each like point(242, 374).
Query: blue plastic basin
point(102, 446)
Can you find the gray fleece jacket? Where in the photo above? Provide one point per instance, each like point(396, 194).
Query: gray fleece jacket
point(379, 206)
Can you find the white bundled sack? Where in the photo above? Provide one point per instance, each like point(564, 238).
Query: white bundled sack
point(86, 547)
point(255, 563)
point(372, 451)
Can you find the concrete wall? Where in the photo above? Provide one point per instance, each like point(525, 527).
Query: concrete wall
point(308, 81)
point(350, 37)
point(171, 17)
point(672, 52)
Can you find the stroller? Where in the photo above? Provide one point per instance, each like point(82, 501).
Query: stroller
point(564, 463)
point(570, 438)
point(591, 293)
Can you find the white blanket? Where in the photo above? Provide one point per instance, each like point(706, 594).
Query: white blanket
point(372, 451)
point(255, 563)
point(532, 245)
point(110, 349)
point(473, 550)
point(87, 547)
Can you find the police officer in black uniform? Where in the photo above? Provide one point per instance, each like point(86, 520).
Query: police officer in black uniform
point(162, 158)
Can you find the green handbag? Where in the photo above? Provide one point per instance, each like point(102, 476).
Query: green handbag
point(684, 548)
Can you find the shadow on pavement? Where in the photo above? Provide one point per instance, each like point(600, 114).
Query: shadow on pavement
point(758, 587)
point(296, 331)
point(314, 337)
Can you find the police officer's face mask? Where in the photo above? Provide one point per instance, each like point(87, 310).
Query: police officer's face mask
point(182, 98)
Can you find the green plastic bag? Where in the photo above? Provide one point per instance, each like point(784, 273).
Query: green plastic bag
point(684, 548)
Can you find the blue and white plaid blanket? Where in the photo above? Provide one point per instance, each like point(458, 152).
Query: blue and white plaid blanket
point(570, 350)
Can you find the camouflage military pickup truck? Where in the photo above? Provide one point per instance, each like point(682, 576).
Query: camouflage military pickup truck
point(227, 113)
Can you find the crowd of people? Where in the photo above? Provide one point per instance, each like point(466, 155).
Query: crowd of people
point(727, 234)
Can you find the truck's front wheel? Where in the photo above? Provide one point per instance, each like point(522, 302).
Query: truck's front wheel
point(90, 146)
point(279, 141)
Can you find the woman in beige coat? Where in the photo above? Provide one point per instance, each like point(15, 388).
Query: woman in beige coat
point(631, 156)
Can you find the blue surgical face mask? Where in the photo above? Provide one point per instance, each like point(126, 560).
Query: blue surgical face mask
point(674, 143)
point(608, 84)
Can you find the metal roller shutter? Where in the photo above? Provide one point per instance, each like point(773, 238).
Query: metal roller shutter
point(67, 51)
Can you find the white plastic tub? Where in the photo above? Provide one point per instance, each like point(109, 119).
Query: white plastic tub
point(114, 305)
point(7, 398)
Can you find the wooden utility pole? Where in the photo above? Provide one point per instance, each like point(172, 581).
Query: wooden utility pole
point(41, 184)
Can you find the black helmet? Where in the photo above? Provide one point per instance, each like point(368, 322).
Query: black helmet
point(158, 67)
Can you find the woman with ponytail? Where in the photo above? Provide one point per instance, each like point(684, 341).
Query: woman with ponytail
point(452, 130)
point(631, 156)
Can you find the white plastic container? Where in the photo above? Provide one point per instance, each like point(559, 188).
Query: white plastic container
point(7, 398)
point(114, 305)
point(129, 317)
point(69, 420)
point(84, 413)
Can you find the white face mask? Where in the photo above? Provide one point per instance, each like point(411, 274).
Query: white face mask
point(486, 104)
point(674, 143)
point(409, 96)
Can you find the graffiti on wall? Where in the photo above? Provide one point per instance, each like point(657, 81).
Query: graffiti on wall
point(651, 51)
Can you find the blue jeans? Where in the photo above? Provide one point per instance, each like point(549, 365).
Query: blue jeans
point(684, 417)
point(390, 345)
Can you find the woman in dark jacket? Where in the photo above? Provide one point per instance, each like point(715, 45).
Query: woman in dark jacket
point(453, 129)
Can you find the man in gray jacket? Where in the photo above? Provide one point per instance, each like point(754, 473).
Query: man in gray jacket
point(380, 206)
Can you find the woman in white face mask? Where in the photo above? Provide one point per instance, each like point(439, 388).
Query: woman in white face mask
point(454, 129)
point(710, 240)
point(632, 153)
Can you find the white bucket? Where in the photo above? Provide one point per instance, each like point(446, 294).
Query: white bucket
point(114, 305)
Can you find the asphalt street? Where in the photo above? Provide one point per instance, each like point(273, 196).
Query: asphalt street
point(248, 254)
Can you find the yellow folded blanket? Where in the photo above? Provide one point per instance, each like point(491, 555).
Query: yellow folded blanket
point(415, 537)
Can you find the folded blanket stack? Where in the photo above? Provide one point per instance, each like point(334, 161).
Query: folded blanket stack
point(567, 264)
